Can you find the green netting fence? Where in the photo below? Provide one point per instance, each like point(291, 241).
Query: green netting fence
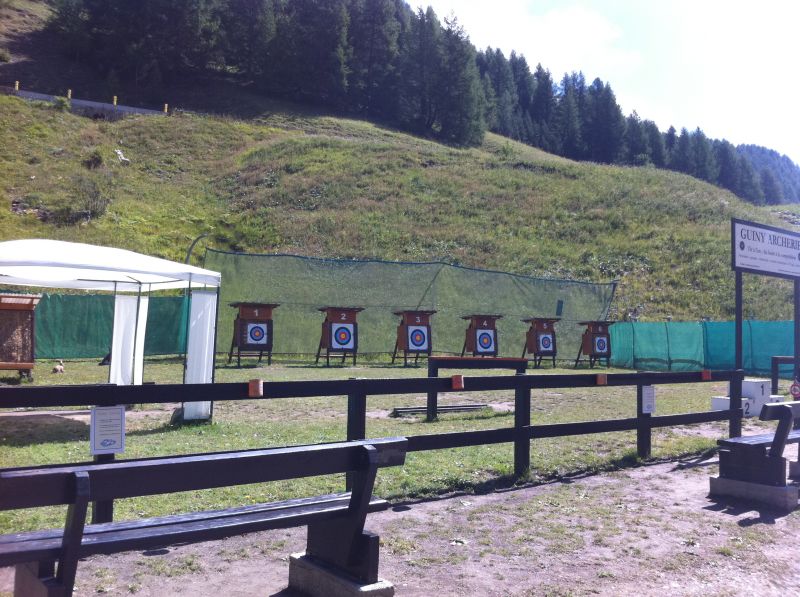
point(690, 346)
point(301, 285)
point(75, 326)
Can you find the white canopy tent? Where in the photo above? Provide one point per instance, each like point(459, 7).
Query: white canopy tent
point(58, 264)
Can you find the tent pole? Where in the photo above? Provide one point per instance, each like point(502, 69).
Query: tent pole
point(188, 304)
point(113, 318)
point(214, 349)
point(135, 334)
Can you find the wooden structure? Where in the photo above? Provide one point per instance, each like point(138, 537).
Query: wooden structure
point(753, 466)
point(596, 342)
point(540, 340)
point(339, 333)
point(252, 331)
point(481, 336)
point(413, 334)
point(17, 332)
point(46, 562)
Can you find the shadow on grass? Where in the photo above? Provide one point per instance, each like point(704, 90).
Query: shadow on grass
point(737, 507)
point(38, 428)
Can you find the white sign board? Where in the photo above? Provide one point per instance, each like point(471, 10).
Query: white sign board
point(765, 250)
point(648, 400)
point(107, 430)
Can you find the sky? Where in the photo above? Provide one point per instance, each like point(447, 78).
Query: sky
point(730, 67)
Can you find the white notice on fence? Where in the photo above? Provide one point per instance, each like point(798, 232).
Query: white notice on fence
point(648, 400)
point(107, 430)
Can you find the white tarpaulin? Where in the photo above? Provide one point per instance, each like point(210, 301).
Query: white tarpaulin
point(200, 349)
point(127, 344)
point(59, 264)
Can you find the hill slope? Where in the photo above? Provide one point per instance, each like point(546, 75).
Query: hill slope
point(325, 186)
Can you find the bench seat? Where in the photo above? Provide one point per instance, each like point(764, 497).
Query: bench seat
point(150, 533)
point(763, 439)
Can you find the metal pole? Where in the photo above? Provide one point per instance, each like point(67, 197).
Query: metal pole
point(194, 242)
point(796, 330)
point(735, 425)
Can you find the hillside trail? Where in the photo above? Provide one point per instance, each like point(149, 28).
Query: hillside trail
point(650, 530)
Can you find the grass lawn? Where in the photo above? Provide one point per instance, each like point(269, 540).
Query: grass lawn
point(41, 436)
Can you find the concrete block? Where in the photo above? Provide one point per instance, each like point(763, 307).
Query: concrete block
point(317, 579)
point(753, 387)
point(779, 498)
point(724, 403)
point(794, 469)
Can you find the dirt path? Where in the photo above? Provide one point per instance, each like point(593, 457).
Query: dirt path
point(647, 531)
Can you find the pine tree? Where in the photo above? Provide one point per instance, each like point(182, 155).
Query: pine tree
point(569, 127)
point(658, 151)
point(636, 142)
point(681, 156)
point(702, 163)
point(773, 194)
point(249, 28)
point(749, 182)
point(729, 167)
point(421, 66)
point(605, 124)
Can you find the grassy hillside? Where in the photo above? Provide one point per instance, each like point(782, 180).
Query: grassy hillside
point(324, 186)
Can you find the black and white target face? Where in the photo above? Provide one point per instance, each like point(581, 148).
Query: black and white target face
point(546, 342)
point(257, 333)
point(418, 338)
point(343, 336)
point(484, 341)
point(601, 345)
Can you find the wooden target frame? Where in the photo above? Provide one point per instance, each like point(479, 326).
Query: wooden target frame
point(596, 342)
point(339, 320)
point(479, 324)
point(413, 322)
point(18, 332)
point(542, 331)
point(250, 318)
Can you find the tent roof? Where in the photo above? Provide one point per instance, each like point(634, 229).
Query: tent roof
point(59, 264)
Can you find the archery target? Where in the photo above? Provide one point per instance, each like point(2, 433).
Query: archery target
point(343, 336)
point(546, 343)
point(257, 333)
point(601, 345)
point(418, 338)
point(485, 341)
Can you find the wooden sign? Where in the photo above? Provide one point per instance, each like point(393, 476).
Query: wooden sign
point(339, 333)
point(252, 331)
point(481, 335)
point(596, 342)
point(540, 340)
point(413, 334)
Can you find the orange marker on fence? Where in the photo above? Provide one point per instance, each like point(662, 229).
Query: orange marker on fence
point(602, 379)
point(705, 375)
point(255, 388)
point(457, 382)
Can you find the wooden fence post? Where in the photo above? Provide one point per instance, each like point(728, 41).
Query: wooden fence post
point(522, 420)
point(644, 433)
point(103, 511)
point(433, 396)
point(356, 425)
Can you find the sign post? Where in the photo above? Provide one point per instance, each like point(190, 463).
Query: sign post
point(766, 251)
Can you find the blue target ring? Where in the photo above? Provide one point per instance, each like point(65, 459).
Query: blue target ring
point(342, 336)
point(256, 333)
point(546, 342)
point(601, 344)
point(485, 340)
point(418, 338)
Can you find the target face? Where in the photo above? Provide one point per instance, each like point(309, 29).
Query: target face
point(343, 336)
point(601, 345)
point(485, 341)
point(546, 342)
point(418, 338)
point(256, 333)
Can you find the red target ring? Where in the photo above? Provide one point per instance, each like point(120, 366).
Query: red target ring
point(794, 390)
point(418, 338)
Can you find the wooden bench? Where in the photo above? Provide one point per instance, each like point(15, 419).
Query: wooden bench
point(46, 561)
point(753, 466)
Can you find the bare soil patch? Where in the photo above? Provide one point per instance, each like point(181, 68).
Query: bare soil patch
point(649, 530)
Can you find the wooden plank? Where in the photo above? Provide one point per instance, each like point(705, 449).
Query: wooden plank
point(23, 488)
point(582, 428)
point(459, 439)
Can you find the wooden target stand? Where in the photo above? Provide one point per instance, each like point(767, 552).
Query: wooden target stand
point(17, 332)
point(339, 333)
point(596, 342)
point(252, 331)
point(481, 336)
point(540, 341)
point(413, 335)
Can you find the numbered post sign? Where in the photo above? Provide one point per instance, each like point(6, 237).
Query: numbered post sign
point(418, 340)
point(648, 400)
point(343, 336)
point(546, 343)
point(107, 430)
point(485, 341)
point(257, 334)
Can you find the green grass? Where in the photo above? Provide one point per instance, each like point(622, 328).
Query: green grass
point(44, 438)
point(292, 181)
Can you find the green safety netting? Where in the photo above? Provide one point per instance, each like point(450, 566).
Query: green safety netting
point(301, 285)
point(71, 326)
point(687, 346)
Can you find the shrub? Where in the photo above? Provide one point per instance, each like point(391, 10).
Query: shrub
point(5, 55)
point(95, 160)
point(62, 104)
